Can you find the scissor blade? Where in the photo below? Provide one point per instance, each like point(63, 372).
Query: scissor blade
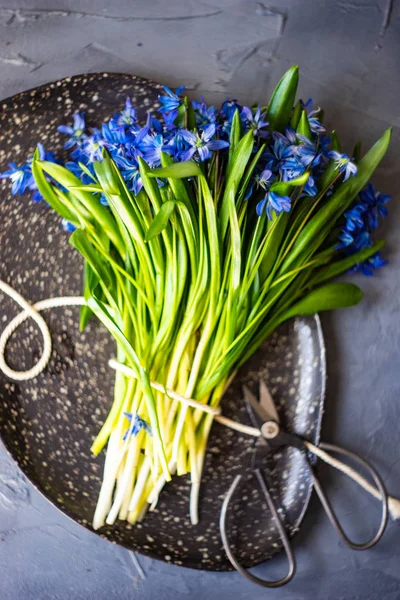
point(267, 402)
point(258, 411)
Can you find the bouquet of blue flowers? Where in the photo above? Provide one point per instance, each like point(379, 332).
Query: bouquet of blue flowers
point(201, 232)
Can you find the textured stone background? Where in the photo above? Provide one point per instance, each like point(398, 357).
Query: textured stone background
point(349, 53)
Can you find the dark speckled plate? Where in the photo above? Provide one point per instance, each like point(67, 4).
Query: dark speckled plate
point(48, 424)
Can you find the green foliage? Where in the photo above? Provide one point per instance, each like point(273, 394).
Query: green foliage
point(160, 220)
point(328, 297)
point(282, 100)
point(189, 281)
point(304, 127)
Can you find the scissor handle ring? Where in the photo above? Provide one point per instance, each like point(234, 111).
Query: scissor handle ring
point(329, 510)
point(281, 528)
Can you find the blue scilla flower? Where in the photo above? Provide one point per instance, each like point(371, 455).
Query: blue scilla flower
point(307, 106)
point(263, 180)
point(136, 425)
point(93, 145)
point(273, 202)
point(74, 167)
point(126, 118)
point(290, 168)
point(171, 101)
point(289, 139)
point(373, 198)
point(226, 114)
point(369, 266)
point(355, 240)
point(362, 240)
point(355, 217)
point(371, 217)
point(346, 239)
point(36, 195)
point(169, 119)
point(307, 151)
point(343, 163)
point(324, 145)
point(225, 129)
point(228, 109)
point(130, 172)
point(76, 131)
point(151, 147)
point(153, 124)
point(381, 201)
point(310, 187)
point(205, 115)
point(360, 221)
point(176, 144)
point(116, 139)
point(203, 145)
point(139, 141)
point(315, 125)
point(254, 121)
point(44, 155)
point(21, 178)
point(276, 155)
point(67, 226)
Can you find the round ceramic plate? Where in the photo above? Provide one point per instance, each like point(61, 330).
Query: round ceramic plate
point(48, 424)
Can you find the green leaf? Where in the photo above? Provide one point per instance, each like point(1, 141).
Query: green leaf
point(149, 184)
point(190, 114)
point(62, 175)
point(90, 202)
point(180, 170)
point(103, 314)
point(304, 127)
point(105, 175)
point(180, 191)
point(340, 200)
point(342, 266)
point(86, 170)
point(87, 188)
point(294, 121)
point(79, 240)
point(46, 189)
point(336, 145)
point(331, 172)
point(213, 248)
point(181, 116)
point(282, 100)
point(234, 139)
point(284, 188)
point(240, 158)
point(89, 282)
point(273, 245)
point(249, 172)
point(328, 297)
point(160, 220)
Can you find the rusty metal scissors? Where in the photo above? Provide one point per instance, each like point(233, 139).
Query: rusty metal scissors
point(272, 437)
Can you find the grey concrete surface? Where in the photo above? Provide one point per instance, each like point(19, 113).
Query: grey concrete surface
point(348, 52)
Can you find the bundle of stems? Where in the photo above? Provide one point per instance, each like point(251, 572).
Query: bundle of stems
point(191, 273)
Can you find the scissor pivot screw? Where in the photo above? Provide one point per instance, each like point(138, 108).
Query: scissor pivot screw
point(270, 430)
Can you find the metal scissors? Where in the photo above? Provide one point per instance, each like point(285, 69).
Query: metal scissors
point(272, 437)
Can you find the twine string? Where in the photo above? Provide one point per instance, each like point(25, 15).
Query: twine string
point(33, 311)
